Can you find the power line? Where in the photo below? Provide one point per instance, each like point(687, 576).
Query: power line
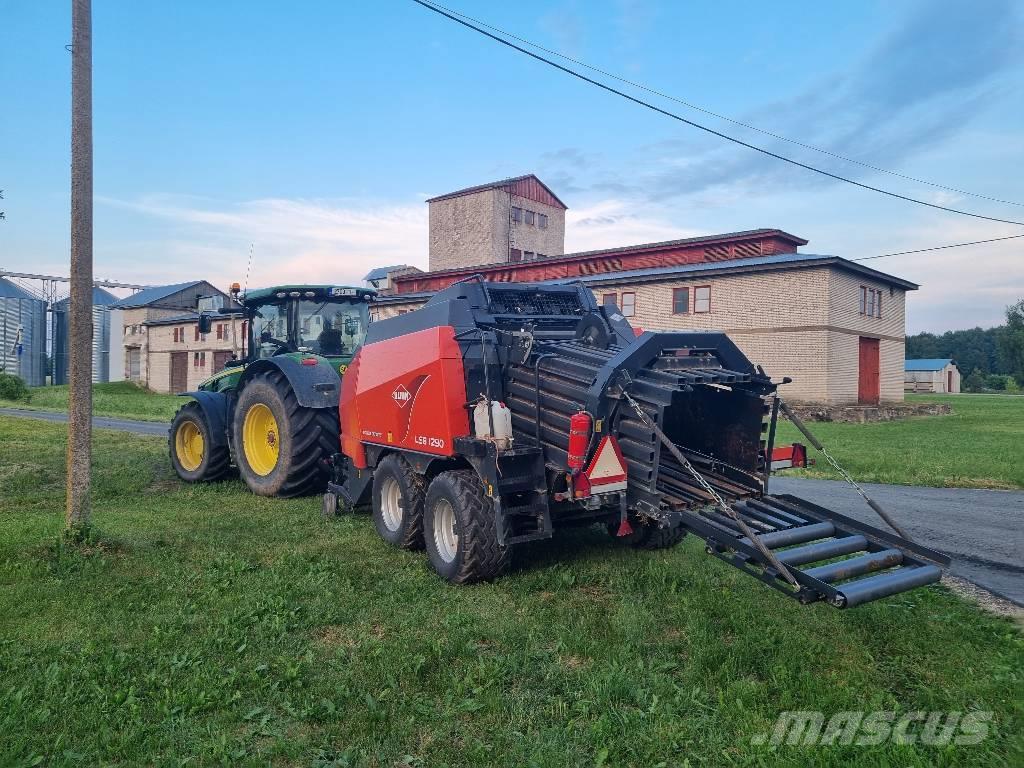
point(712, 131)
point(720, 116)
point(938, 247)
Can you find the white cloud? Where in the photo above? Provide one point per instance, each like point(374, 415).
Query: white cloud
point(612, 223)
point(332, 241)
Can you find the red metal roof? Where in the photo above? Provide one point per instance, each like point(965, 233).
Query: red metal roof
point(528, 186)
point(691, 250)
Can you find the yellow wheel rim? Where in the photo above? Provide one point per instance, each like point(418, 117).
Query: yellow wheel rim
point(189, 445)
point(260, 439)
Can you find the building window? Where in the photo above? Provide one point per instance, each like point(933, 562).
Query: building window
point(870, 302)
point(680, 301)
point(528, 217)
point(517, 214)
point(542, 220)
point(702, 299)
point(628, 305)
point(529, 255)
point(220, 331)
point(197, 332)
point(609, 299)
point(514, 254)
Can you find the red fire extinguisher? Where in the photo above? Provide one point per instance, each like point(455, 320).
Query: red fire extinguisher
point(579, 439)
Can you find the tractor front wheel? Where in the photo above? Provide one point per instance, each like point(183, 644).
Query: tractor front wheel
point(460, 530)
point(280, 445)
point(195, 456)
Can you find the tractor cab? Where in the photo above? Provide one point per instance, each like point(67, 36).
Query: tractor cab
point(327, 321)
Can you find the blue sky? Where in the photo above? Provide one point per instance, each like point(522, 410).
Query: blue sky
point(316, 132)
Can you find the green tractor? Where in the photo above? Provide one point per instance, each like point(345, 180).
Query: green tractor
point(273, 413)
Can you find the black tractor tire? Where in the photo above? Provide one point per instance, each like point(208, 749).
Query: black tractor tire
point(304, 438)
point(398, 494)
point(648, 536)
point(190, 433)
point(473, 553)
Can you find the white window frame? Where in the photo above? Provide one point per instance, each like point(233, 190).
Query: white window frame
point(698, 301)
point(628, 308)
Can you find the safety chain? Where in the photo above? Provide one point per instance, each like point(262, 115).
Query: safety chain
point(768, 555)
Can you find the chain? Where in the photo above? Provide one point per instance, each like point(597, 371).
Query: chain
point(768, 555)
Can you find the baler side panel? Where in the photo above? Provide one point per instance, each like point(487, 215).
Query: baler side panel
point(351, 442)
point(411, 393)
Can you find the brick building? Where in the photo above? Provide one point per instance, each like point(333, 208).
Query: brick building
point(511, 220)
point(835, 326)
point(163, 349)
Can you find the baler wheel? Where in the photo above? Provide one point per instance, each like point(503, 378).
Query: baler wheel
point(460, 529)
point(398, 493)
point(280, 445)
point(649, 536)
point(194, 455)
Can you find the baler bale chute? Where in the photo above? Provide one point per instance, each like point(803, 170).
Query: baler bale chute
point(653, 436)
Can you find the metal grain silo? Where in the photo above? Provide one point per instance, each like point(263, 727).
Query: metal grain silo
point(22, 334)
point(101, 337)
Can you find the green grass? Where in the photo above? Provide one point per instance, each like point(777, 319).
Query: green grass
point(979, 445)
point(119, 399)
point(208, 626)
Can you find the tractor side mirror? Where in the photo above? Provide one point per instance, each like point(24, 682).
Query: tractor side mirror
point(205, 323)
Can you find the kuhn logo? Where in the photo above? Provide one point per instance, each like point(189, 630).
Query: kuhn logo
point(401, 396)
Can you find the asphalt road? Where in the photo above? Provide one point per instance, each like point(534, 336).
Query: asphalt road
point(100, 422)
point(983, 531)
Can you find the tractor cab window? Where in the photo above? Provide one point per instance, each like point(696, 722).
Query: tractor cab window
point(327, 328)
point(270, 329)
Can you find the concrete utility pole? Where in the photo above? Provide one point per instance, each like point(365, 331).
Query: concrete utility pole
point(79, 460)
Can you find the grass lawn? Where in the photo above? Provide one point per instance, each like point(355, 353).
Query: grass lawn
point(979, 445)
point(208, 626)
point(120, 399)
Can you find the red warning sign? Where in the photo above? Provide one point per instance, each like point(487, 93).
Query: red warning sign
point(607, 470)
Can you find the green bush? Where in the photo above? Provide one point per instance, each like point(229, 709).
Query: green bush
point(13, 388)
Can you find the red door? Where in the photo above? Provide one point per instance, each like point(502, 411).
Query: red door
point(868, 380)
point(949, 382)
point(179, 372)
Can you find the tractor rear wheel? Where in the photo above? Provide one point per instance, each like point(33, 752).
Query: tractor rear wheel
point(649, 536)
point(460, 530)
point(195, 456)
point(280, 446)
point(398, 493)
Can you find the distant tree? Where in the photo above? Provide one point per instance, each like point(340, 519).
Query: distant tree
point(1011, 342)
point(996, 382)
point(975, 382)
point(971, 348)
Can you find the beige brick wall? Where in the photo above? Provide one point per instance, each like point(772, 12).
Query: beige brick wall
point(549, 241)
point(473, 229)
point(461, 231)
point(156, 359)
point(802, 323)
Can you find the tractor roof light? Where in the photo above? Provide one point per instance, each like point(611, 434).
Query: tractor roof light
point(309, 294)
point(294, 294)
point(280, 294)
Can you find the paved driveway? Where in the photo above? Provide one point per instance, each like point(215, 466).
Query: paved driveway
point(983, 531)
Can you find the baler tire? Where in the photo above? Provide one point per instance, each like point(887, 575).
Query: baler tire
point(411, 488)
point(305, 438)
point(649, 536)
point(215, 461)
point(478, 556)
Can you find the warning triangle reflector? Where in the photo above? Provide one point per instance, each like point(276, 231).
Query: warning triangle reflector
point(607, 470)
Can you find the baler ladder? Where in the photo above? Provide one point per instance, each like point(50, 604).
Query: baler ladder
point(809, 541)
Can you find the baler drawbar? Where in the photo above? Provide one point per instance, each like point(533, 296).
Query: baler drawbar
point(500, 412)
